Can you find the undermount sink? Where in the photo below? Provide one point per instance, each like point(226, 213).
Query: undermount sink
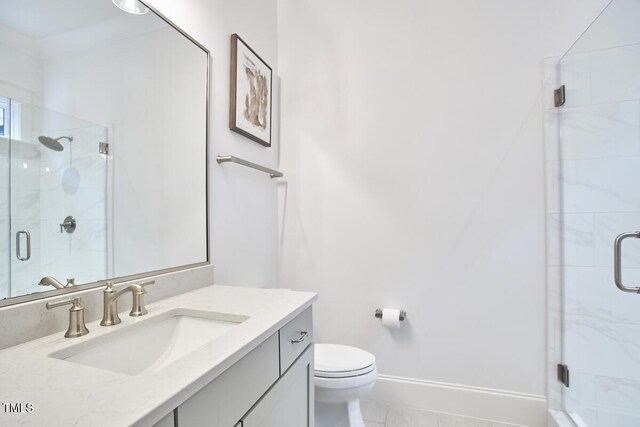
point(148, 346)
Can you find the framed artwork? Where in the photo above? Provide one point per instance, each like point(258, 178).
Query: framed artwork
point(250, 98)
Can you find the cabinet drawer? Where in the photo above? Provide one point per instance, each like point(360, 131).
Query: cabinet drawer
point(295, 337)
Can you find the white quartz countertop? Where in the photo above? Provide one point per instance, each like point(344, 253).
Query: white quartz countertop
point(63, 393)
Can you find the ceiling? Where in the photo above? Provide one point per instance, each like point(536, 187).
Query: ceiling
point(37, 19)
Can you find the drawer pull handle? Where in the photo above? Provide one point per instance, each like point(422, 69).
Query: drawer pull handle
point(303, 336)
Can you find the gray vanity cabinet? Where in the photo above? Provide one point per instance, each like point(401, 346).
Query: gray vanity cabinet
point(226, 399)
point(289, 403)
point(167, 421)
point(271, 386)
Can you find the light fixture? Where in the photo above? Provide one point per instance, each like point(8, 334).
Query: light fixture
point(134, 7)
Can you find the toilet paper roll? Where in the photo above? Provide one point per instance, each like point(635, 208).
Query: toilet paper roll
point(391, 318)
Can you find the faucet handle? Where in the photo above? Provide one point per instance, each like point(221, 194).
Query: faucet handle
point(77, 327)
point(73, 301)
point(110, 306)
point(147, 283)
point(137, 307)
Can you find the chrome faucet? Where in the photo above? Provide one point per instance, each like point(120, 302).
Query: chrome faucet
point(50, 281)
point(76, 328)
point(110, 312)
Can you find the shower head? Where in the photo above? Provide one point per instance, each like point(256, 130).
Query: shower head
point(53, 144)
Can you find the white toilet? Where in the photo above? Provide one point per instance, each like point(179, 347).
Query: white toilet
point(343, 375)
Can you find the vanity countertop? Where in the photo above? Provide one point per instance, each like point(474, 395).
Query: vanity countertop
point(65, 393)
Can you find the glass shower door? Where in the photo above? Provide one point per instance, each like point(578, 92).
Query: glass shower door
point(57, 200)
point(5, 238)
point(24, 196)
point(600, 199)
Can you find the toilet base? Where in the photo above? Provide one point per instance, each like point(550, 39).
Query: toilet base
point(339, 414)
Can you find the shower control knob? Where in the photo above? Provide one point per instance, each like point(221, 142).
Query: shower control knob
point(69, 225)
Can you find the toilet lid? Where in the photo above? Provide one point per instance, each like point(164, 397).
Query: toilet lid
point(334, 359)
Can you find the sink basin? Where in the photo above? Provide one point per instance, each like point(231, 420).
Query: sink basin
point(148, 346)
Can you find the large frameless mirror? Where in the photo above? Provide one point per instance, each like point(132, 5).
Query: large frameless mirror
point(103, 140)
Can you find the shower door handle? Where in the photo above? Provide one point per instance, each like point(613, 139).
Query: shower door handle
point(18, 251)
point(617, 261)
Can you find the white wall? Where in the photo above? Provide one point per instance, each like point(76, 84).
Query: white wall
point(412, 143)
point(22, 78)
point(243, 202)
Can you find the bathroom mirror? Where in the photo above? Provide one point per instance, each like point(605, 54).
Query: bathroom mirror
point(103, 144)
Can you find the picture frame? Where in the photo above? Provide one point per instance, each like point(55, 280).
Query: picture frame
point(250, 100)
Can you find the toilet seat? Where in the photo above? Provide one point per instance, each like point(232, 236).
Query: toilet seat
point(342, 361)
point(347, 374)
point(342, 383)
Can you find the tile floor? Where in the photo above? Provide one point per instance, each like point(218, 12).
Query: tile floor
point(378, 415)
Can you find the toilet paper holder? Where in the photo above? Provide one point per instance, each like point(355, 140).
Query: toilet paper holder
point(378, 314)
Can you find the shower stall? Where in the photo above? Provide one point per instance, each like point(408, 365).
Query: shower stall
point(594, 220)
point(53, 198)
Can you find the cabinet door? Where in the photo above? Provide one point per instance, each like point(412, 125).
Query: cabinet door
point(222, 402)
point(167, 421)
point(289, 403)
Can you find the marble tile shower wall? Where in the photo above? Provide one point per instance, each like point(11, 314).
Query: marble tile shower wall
point(594, 190)
point(40, 189)
point(73, 183)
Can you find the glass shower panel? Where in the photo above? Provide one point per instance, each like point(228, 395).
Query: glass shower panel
point(600, 199)
point(58, 201)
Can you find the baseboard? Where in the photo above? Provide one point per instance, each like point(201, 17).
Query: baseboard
point(559, 419)
point(497, 405)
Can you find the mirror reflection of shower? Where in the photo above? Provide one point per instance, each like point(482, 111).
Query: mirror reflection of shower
point(53, 198)
point(53, 144)
point(71, 176)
